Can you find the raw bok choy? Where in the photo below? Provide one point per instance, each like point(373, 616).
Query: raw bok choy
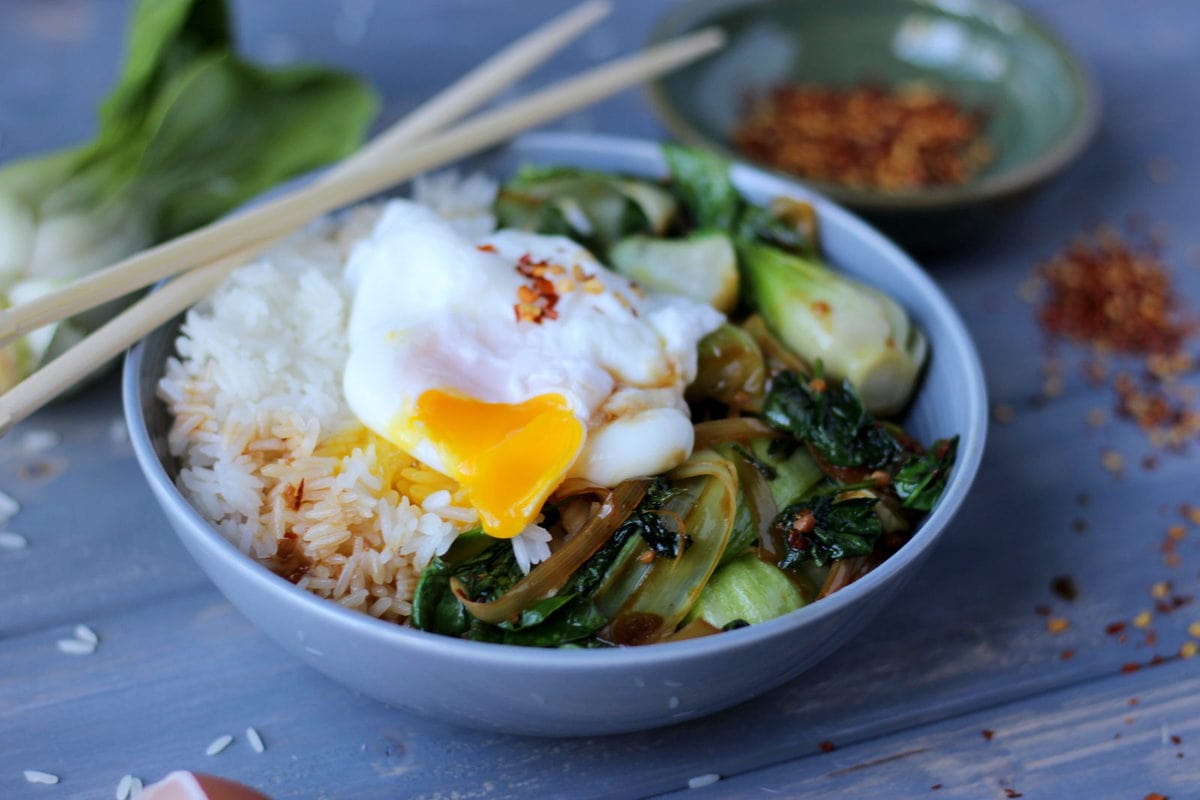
point(189, 132)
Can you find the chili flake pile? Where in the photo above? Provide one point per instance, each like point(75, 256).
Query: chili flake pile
point(901, 139)
point(1118, 298)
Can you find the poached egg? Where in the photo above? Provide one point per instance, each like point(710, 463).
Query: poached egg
point(514, 362)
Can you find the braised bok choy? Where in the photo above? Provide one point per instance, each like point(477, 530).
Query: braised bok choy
point(794, 488)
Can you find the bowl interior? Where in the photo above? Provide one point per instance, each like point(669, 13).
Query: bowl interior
point(951, 400)
point(987, 55)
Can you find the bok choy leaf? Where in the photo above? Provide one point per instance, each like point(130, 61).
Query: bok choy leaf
point(189, 132)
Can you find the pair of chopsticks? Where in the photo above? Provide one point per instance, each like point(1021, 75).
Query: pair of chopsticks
point(406, 149)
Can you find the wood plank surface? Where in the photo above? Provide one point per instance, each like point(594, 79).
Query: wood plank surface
point(961, 649)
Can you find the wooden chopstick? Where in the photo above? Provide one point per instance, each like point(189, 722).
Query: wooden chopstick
point(450, 105)
point(481, 132)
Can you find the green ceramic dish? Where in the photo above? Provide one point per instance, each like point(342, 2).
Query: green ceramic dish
point(1040, 104)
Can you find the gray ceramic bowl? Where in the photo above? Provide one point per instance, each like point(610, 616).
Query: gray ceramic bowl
point(1040, 104)
point(586, 692)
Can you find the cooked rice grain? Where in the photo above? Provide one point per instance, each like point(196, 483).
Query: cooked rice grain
point(269, 449)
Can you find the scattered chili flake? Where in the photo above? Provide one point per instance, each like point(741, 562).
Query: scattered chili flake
point(1065, 587)
point(1155, 660)
point(486, 248)
point(1103, 290)
point(1112, 461)
point(1130, 667)
point(1176, 532)
point(1003, 413)
point(891, 139)
point(1142, 620)
point(935, 787)
point(1066, 655)
point(827, 746)
point(988, 734)
point(1113, 628)
point(1160, 169)
point(1171, 559)
point(1057, 625)
point(1012, 793)
point(1175, 740)
point(1156, 796)
point(1133, 701)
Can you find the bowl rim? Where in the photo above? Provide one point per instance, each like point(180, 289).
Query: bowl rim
point(627, 152)
point(1054, 159)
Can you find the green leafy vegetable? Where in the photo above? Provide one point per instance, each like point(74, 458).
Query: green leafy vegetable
point(758, 224)
point(189, 132)
point(831, 419)
point(593, 208)
point(651, 523)
point(826, 529)
point(729, 369)
point(661, 596)
point(860, 334)
point(922, 479)
point(701, 181)
point(749, 590)
point(702, 267)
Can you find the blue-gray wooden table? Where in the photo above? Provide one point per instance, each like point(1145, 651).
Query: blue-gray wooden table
point(958, 690)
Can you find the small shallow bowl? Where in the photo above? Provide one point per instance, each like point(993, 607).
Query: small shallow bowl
point(1040, 105)
point(588, 692)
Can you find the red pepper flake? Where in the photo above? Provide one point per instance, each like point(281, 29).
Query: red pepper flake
point(987, 734)
point(888, 138)
point(1156, 660)
point(1113, 628)
point(1175, 740)
point(1066, 655)
point(486, 248)
point(1133, 701)
point(1065, 587)
point(1156, 796)
point(827, 746)
point(1012, 793)
point(935, 787)
point(1103, 290)
point(536, 300)
point(1130, 667)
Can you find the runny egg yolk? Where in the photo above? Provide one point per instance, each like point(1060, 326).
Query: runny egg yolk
point(507, 457)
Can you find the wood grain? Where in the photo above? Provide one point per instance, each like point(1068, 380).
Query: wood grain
point(961, 649)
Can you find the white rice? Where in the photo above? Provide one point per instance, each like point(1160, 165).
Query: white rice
point(700, 781)
point(39, 441)
point(8, 509)
point(37, 776)
point(255, 740)
point(256, 391)
point(129, 788)
point(76, 647)
point(12, 541)
point(218, 745)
